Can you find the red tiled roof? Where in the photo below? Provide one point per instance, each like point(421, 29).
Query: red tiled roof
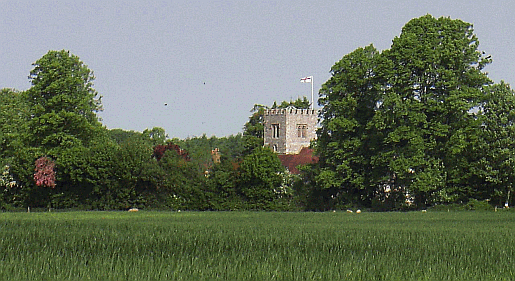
point(292, 161)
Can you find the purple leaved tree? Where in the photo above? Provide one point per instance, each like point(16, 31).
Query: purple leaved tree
point(44, 174)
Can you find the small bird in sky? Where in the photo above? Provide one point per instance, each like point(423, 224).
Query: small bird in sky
point(166, 104)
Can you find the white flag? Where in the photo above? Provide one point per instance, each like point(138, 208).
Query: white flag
point(306, 79)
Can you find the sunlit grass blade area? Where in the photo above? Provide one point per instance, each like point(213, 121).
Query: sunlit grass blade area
point(257, 246)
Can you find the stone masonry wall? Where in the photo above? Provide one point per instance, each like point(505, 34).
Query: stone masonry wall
point(289, 121)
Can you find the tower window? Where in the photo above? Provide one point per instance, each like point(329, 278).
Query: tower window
point(275, 131)
point(302, 130)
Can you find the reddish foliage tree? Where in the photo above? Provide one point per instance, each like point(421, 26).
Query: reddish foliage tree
point(159, 151)
point(44, 174)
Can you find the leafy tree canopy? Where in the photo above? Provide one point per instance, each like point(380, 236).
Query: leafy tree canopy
point(261, 176)
point(14, 114)
point(62, 102)
point(400, 120)
point(301, 103)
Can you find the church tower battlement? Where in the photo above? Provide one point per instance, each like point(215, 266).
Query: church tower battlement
point(288, 130)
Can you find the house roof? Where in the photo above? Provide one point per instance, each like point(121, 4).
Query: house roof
point(292, 161)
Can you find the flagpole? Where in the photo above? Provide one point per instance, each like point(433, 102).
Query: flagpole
point(310, 79)
point(312, 102)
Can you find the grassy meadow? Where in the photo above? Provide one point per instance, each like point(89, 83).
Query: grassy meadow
point(149, 245)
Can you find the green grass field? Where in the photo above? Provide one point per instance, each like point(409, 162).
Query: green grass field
point(257, 246)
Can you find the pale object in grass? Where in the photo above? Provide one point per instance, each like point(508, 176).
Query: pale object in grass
point(133, 210)
point(358, 212)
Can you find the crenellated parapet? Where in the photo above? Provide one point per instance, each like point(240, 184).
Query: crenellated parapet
point(291, 110)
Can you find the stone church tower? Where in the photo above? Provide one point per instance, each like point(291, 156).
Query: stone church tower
point(288, 130)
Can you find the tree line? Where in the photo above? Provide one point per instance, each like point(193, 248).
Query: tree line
point(413, 126)
point(57, 154)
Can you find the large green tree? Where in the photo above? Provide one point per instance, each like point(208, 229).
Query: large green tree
point(345, 143)
point(63, 103)
point(434, 81)
point(62, 125)
point(400, 121)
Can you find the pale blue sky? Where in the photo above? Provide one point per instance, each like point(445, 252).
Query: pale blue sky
point(148, 53)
